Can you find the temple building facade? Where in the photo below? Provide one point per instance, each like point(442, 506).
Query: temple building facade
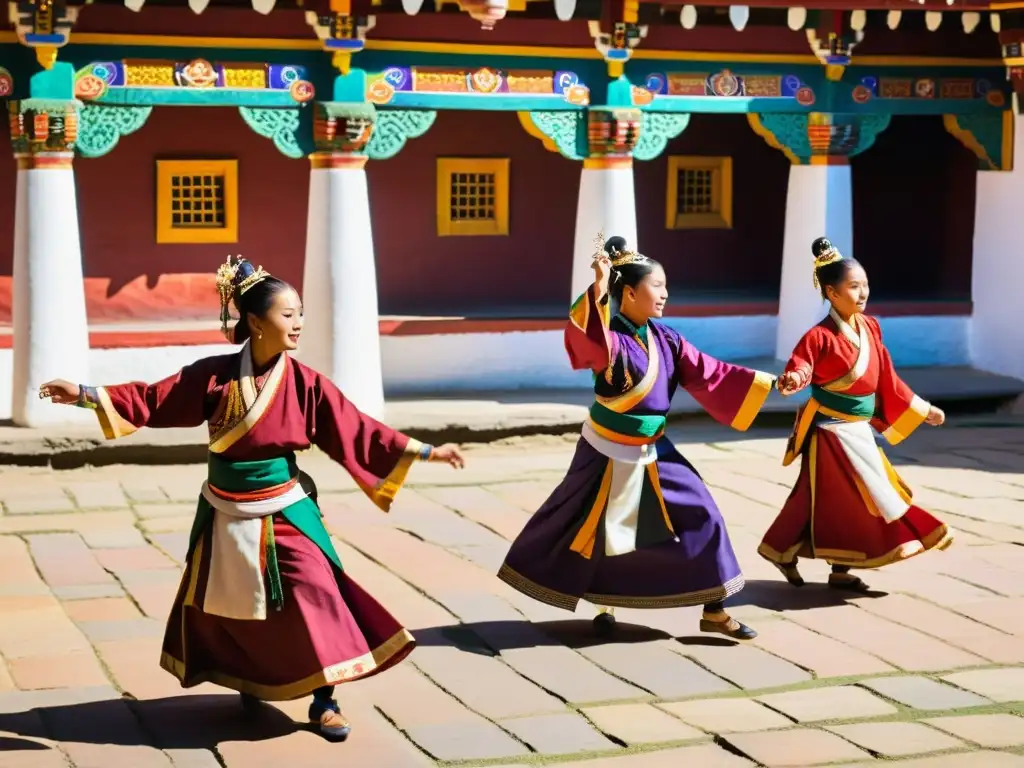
point(434, 177)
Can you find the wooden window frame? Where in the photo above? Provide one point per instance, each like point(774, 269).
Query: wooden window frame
point(721, 190)
point(500, 167)
point(166, 232)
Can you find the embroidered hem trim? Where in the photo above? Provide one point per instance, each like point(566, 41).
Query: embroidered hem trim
point(939, 539)
point(386, 655)
point(569, 602)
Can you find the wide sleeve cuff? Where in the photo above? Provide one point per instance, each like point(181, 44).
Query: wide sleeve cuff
point(754, 400)
point(383, 495)
point(912, 418)
point(111, 422)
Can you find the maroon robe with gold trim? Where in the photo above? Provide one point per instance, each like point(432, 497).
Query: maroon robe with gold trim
point(328, 630)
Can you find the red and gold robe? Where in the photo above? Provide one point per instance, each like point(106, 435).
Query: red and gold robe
point(849, 506)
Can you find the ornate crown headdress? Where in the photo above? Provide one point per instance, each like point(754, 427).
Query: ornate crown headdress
point(621, 257)
point(227, 288)
point(828, 255)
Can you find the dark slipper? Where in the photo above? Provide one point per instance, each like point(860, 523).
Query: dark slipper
point(604, 624)
point(737, 630)
point(328, 718)
point(849, 585)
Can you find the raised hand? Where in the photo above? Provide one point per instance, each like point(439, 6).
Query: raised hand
point(602, 271)
point(60, 391)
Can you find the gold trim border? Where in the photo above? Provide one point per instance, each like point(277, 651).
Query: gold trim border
point(564, 52)
point(399, 645)
point(560, 600)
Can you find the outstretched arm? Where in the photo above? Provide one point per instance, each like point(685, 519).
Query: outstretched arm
point(376, 456)
point(177, 401)
point(731, 394)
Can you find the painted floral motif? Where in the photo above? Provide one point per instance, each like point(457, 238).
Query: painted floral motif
point(395, 127)
point(103, 126)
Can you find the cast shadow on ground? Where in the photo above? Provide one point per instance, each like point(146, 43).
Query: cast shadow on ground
point(180, 722)
point(488, 637)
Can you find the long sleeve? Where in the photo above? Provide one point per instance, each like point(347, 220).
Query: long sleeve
point(806, 353)
point(377, 457)
point(898, 411)
point(177, 401)
point(731, 394)
point(588, 341)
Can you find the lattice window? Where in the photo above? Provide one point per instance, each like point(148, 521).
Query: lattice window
point(472, 196)
point(699, 193)
point(197, 201)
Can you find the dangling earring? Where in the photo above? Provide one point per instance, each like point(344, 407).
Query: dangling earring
point(259, 336)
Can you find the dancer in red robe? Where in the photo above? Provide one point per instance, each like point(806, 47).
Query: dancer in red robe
point(849, 506)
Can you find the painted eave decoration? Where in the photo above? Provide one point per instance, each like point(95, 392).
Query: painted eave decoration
point(452, 87)
point(672, 91)
point(197, 82)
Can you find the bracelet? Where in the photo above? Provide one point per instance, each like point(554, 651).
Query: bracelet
point(87, 397)
point(426, 452)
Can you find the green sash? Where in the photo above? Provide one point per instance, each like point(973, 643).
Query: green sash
point(248, 476)
point(626, 424)
point(851, 405)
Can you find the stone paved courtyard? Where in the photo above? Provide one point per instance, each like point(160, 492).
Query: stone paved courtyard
point(926, 671)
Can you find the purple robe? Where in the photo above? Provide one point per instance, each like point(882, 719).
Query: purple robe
point(632, 524)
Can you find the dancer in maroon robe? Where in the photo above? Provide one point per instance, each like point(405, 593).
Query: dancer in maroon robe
point(265, 606)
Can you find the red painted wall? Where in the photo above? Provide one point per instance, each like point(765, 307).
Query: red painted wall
point(128, 276)
point(913, 211)
point(744, 260)
point(529, 270)
point(913, 215)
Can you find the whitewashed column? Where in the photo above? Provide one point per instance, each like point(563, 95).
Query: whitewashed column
point(997, 334)
point(341, 336)
point(607, 201)
point(51, 330)
point(819, 204)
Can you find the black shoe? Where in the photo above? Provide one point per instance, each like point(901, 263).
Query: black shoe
point(854, 584)
point(604, 624)
point(327, 717)
point(737, 630)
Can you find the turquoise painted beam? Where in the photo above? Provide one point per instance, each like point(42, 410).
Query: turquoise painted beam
point(197, 97)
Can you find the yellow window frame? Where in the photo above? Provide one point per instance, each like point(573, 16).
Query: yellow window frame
point(166, 232)
point(446, 168)
point(721, 193)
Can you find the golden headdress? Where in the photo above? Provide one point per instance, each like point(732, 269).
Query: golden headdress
point(824, 254)
point(615, 249)
point(235, 278)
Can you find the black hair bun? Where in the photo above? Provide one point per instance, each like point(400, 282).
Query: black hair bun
point(820, 246)
point(615, 245)
point(243, 270)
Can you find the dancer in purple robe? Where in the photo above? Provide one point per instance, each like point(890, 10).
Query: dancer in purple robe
point(632, 524)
